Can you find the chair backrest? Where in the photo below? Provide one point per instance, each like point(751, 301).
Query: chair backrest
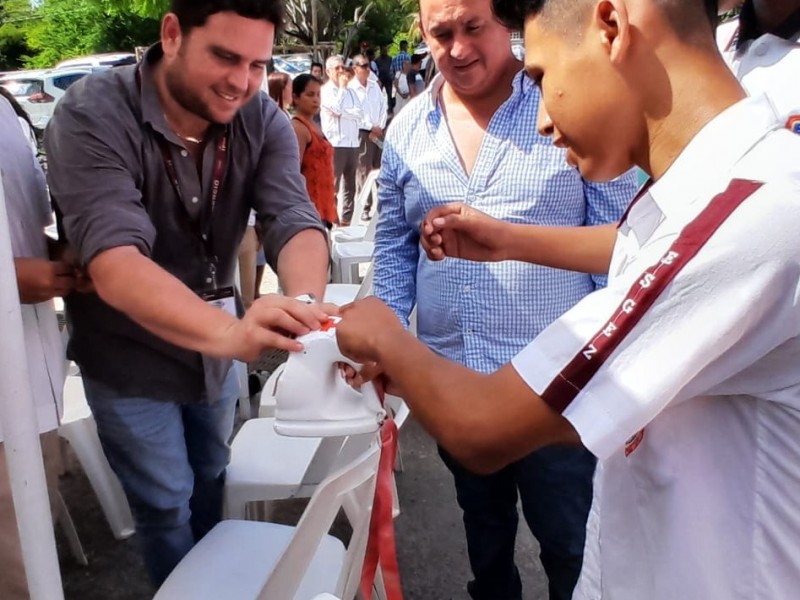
point(370, 188)
point(353, 483)
point(365, 288)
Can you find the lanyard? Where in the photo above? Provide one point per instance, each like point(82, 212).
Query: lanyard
point(204, 226)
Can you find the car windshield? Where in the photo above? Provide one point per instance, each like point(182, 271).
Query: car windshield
point(22, 88)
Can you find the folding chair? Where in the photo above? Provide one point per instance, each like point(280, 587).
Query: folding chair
point(253, 560)
point(79, 429)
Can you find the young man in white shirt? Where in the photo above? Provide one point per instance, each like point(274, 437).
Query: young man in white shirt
point(372, 125)
point(681, 375)
point(341, 114)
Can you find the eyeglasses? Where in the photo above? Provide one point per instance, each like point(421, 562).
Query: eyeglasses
point(361, 65)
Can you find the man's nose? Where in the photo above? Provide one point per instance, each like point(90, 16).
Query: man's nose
point(544, 124)
point(238, 77)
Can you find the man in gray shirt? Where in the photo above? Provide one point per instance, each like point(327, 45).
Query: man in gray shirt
point(154, 169)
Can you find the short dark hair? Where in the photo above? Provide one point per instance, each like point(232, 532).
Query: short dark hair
point(318, 64)
point(681, 13)
point(194, 13)
point(403, 44)
point(300, 83)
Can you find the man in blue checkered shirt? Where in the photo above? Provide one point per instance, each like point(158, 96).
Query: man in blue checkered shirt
point(471, 137)
point(401, 57)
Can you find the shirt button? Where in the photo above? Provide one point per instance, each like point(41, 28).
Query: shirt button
point(184, 153)
point(469, 331)
point(208, 279)
point(195, 199)
point(467, 288)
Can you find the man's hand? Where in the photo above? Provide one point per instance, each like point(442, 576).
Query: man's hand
point(366, 326)
point(68, 255)
point(273, 321)
point(459, 231)
point(375, 133)
point(40, 280)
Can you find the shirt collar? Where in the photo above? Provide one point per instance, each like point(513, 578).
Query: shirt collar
point(707, 160)
point(152, 111)
point(521, 86)
point(750, 30)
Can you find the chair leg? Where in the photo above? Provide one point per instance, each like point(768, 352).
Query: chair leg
point(82, 436)
point(68, 527)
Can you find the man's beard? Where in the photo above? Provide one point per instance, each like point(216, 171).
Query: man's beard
point(185, 96)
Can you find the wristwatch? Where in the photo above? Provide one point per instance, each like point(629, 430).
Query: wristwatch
point(308, 298)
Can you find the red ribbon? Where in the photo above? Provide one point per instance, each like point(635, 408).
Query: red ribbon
point(381, 548)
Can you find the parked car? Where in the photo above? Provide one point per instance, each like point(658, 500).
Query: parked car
point(107, 60)
point(38, 92)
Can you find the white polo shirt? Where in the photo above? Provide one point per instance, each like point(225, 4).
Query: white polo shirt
point(340, 115)
point(768, 64)
point(695, 415)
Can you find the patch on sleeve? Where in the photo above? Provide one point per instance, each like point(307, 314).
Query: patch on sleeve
point(793, 124)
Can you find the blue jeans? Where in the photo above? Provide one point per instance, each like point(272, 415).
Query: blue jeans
point(170, 459)
point(555, 486)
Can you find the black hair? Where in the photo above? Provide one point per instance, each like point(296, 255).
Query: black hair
point(318, 64)
point(300, 83)
point(512, 13)
point(416, 59)
point(21, 113)
point(403, 44)
point(194, 13)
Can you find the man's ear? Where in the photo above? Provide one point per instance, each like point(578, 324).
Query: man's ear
point(171, 35)
point(610, 19)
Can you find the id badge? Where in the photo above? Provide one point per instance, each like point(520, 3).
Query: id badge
point(223, 298)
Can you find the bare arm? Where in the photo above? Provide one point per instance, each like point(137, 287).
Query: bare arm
point(303, 137)
point(449, 400)
point(459, 231)
point(163, 305)
point(303, 264)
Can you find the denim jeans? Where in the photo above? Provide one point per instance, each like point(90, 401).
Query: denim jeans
point(555, 487)
point(170, 459)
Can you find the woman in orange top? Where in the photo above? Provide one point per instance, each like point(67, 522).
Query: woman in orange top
point(316, 153)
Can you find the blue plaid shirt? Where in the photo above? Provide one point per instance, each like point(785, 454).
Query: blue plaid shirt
point(398, 60)
point(481, 314)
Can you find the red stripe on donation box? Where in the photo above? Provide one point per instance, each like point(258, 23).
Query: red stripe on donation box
point(642, 294)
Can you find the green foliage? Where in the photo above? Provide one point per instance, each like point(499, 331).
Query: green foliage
point(14, 16)
point(67, 28)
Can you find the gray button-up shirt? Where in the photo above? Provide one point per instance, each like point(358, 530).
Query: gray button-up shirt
point(110, 183)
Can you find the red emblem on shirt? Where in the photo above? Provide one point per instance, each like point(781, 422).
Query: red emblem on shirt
point(633, 442)
point(793, 124)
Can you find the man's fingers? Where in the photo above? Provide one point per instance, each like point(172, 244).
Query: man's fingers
point(279, 319)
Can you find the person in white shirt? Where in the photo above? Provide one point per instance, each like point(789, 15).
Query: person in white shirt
point(340, 116)
point(762, 47)
point(680, 376)
point(39, 279)
point(401, 87)
point(371, 127)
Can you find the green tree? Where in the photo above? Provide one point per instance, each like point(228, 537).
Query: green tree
point(15, 18)
point(67, 28)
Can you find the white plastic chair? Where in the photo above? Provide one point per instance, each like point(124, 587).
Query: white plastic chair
point(266, 466)
point(354, 245)
point(79, 429)
point(253, 560)
point(354, 233)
